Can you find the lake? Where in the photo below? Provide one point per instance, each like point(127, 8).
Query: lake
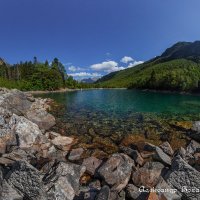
point(113, 113)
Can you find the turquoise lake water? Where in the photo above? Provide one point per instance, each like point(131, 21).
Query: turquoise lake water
point(122, 102)
point(109, 111)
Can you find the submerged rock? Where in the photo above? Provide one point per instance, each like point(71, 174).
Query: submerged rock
point(117, 171)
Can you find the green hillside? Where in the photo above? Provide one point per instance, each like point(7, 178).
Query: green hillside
point(178, 68)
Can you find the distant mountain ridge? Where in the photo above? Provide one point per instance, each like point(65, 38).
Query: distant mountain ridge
point(177, 68)
point(89, 80)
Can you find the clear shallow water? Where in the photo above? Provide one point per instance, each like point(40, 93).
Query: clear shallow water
point(104, 118)
point(122, 102)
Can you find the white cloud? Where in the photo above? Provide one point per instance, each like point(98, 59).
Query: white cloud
point(133, 64)
point(107, 66)
point(85, 74)
point(73, 68)
point(126, 59)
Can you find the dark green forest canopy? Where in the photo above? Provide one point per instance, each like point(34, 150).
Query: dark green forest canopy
point(35, 75)
point(177, 69)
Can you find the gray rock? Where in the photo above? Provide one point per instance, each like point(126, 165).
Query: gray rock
point(38, 114)
point(26, 180)
point(104, 193)
point(117, 171)
point(27, 132)
point(148, 175)
point(9, 193)
point(193, 147)
point(75, 154)
point(167, 148)
point(7, 140)
point(132, 191)
point(62, 181)
point(15, 101)
point(134, 154)
point(91, 164)
point(164, 191)
point(2, 121)
point(184, 178)
point(149, 147)
point(162, 157)
point(195, 132)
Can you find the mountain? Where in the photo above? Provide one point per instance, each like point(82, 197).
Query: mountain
point(178, 68)
point(88, 80)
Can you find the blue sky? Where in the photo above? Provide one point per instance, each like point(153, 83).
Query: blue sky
point(94, 37)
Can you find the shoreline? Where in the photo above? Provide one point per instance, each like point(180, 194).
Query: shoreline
point(83, 89)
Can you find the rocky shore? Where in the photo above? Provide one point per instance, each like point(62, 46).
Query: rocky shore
point(39, 164)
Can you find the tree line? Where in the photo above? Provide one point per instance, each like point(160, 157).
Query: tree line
point(35, 75)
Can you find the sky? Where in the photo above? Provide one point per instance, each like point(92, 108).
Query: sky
point(94, 37)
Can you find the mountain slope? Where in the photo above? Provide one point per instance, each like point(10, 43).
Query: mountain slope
point(177, 68)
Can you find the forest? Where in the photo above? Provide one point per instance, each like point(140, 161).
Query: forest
point(35, 75)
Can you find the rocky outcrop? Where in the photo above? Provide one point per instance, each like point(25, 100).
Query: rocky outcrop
point(38, 163)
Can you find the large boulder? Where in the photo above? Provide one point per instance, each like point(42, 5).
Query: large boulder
point(148, 175)
point(15, 101)
point(39, 115)
point(116, 171)
point(26, 181)
point(184, 178)
point(27, 132)
point(62, 181)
